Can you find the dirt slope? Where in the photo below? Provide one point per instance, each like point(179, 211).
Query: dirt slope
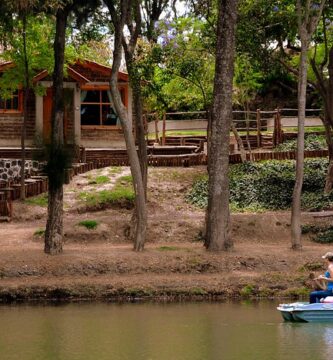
point(100, 264)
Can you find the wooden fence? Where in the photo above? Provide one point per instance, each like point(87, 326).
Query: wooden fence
point(258, 129)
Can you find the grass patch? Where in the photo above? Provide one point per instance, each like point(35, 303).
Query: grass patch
point(121, 193)
point(40, 200)
point(168, 248)
point(39, 232)
point(89, 224)
point(114, 170)
point(102, 179)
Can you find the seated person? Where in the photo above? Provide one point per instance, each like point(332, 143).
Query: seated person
point(324, 282)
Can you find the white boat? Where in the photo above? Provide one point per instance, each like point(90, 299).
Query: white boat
point(306, 312)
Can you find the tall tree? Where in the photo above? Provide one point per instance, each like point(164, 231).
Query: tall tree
point(308, 15)
point(218, 215)
point(120, 15)
point(23, 11)
point(56, 165)
point(58, 156)
point(322, 66)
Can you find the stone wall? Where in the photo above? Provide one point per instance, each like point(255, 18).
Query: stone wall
point(10, 168)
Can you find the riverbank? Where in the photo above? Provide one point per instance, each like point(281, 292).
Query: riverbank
point(99, 264)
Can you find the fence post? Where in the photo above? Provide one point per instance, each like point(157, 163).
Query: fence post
point(163, 131)
point(258, 116)
point(277, 128)
point(156, 128)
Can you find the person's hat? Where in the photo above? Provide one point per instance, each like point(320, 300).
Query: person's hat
point(328, 255)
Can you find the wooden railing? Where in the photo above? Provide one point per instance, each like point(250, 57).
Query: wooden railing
point(252, 125)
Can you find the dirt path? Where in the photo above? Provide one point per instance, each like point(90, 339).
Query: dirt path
point(100, 263)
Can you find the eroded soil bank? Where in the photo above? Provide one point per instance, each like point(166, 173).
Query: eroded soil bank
point(99, 264)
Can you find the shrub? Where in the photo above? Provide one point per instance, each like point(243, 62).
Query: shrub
point(89, 224)
point(315, 201)
point(324, 237)
point(269, 185)
point(39, 232)
point(311, 142)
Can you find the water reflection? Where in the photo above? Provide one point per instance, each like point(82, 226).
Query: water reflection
point(308, 341)
point(227, 331)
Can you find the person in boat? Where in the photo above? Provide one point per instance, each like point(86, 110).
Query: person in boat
point(324, 282)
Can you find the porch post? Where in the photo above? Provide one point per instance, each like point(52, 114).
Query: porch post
point(77, 116)
point(39, 119)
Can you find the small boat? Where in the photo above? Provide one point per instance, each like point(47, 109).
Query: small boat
point(306, 312)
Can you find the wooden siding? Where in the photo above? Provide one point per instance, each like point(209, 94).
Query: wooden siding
point(11, 123)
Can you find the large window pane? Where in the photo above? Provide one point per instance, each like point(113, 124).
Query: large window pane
point(11, 103)
point(90, 115)
point(109, 117)
point(106, 97)
point(92, 96)
point(15, 102)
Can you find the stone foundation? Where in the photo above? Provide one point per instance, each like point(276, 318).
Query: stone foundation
point(10, 168)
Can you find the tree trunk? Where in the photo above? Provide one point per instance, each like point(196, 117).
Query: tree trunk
point(307, 19)
point(56, 169)
point(140, 199)
point(25, 108)
point(328, 122)
point(140, 131)
point(296, 203)
point(218, 219)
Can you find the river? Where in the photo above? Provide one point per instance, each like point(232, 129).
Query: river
point(149, 331)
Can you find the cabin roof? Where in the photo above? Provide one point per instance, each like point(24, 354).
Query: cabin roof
point(82, 71)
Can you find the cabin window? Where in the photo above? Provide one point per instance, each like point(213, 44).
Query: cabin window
point(97, 108)
point(10, 104)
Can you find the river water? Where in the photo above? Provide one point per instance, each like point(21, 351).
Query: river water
point(189, 331)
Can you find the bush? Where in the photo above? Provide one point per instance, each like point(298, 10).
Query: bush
point(89, 224)
point(311, 142)
point(324, 237)
point(269, 185)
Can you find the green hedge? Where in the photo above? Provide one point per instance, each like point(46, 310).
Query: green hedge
point(311, 142)
point(269, 185)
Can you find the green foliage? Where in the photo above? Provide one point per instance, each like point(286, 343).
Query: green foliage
point(89, 224)
point(247, 80)
point(324, 237)
point(40, 200)
point(316, 201)
point(310, 229)
point(311, 142)
point(40, 35)
point(269, 185)
point(247, 290)
point(182, 62)
point(39, 232)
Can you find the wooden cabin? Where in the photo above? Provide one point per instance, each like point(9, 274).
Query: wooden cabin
point(89, 121)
